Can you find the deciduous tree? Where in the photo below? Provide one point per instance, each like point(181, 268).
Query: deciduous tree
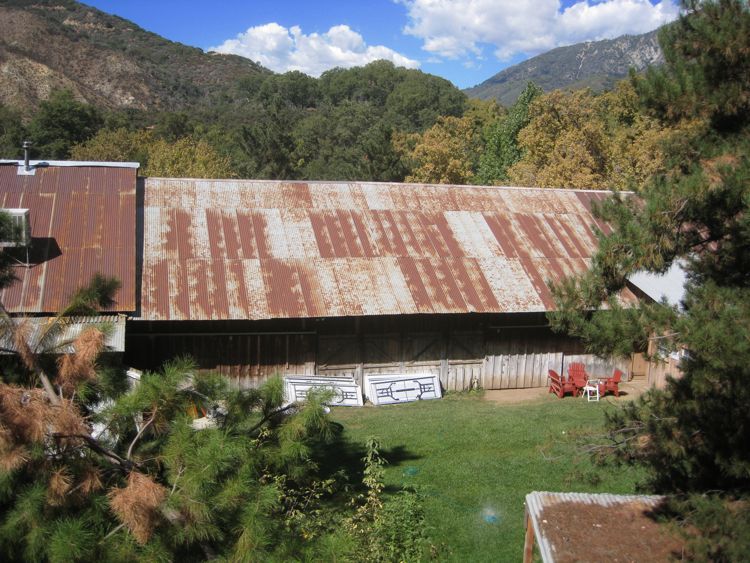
point(565, 143)
point(502, 147)
point(61, 122)
point(187, 157)
point(447, 153)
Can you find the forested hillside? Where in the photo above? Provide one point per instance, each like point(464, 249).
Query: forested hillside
point(82, 84)
point(104, 60)
point(286, 126)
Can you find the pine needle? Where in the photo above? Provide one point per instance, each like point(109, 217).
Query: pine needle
point(24, 412)
point(78, 367)
point(65, 419)
point(21, 334)
point(91, 481)
point(12, 457)
point(136, 505)
point(59, 485)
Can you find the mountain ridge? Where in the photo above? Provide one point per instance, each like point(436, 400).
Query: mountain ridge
point(594, 64)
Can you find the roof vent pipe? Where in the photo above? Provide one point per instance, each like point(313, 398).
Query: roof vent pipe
point(26, 147)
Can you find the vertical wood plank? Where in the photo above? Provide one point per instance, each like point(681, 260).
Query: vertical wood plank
point(528, 544)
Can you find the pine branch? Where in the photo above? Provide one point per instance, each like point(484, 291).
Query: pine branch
point(140, 432)
point(39, 372)
point(270, 415)
point(124, 464)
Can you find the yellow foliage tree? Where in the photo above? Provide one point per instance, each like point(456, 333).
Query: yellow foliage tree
point(581, 140)
point(636, 139)
point(115, 145)
point(564, 145)
point(187, 157)
point(448, 152)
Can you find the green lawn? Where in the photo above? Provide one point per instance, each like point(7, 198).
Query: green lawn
point(475, 461)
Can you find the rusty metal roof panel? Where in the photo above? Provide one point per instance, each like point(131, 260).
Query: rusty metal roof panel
point(82, 223)
point(232, 249)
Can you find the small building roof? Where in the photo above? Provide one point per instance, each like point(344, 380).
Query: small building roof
point(60, 339)
point(82, 219)
point(241, 249)
point(71, 163)
point(597, 527)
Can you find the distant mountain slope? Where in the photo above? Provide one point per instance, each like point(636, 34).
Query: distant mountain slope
point(594, 64)
point(105, 60)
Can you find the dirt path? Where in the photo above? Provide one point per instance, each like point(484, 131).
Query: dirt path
point(628, 392)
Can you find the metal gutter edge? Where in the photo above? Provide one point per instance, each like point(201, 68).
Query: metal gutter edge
point(73, 163)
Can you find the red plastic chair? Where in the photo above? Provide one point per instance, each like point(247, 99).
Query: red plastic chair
point(560, 387)
point(611, 384)
point(578, 376)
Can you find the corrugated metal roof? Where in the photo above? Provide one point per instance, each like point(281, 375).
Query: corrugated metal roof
point(61, 339)
point(82, 222)
point(537, 501)
point(72, 163)
point(236, 249)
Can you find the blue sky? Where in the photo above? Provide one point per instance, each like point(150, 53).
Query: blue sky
point(465, 41)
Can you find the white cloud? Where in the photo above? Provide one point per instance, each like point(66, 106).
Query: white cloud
point(461, 28)
point(282, 49)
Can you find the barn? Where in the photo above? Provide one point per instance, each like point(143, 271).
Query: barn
point(254, 278)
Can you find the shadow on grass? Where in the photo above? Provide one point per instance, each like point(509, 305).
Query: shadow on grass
point(343, 454)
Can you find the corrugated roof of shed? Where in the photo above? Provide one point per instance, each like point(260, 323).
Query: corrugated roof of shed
point(82, 222)
point(64, 332)
point(537, 501)
point(240, 249)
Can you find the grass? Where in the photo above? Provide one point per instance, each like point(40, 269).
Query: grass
point(475, 461)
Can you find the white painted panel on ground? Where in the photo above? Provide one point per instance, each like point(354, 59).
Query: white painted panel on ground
point(388, 389)
point(346, 392)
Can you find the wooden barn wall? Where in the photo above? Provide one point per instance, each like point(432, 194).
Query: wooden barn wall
point(660, 365)
point(493, 352)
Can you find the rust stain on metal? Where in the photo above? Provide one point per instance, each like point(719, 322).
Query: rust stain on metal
point(265, 249)
point(415, 285)
point(335, 235)
point(501, 228)
point(231, 237)
point(589, 200)
point(236, 295)
point(360, 226)
point(82, 223)
point(320, 230)
point(247, 235)
point(560, 236)
point(179, 304)
point(283, 290)
point(473, 286)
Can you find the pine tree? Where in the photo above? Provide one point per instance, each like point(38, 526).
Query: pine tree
point(692, 437)
point(177, 465)
point(91, 469)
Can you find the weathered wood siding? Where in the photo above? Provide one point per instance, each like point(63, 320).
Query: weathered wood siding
point(465, 353)
point(246, 359)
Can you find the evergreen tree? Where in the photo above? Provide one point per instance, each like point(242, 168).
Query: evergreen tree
point(693, 436)
point(176, 465)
